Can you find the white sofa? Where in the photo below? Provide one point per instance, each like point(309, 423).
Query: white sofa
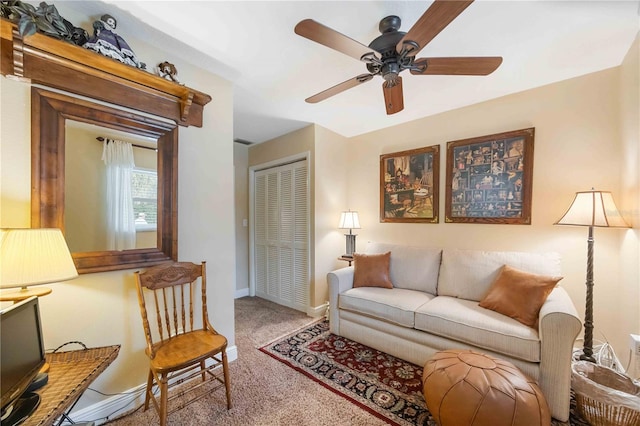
point(434, 306)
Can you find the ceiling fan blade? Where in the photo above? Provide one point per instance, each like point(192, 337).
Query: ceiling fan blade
point(326, 36)
point(457, 66)
point(433, 20)
point(338, 88)
point(393, 99)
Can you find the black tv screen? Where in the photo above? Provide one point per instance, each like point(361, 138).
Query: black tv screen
point(23, 353)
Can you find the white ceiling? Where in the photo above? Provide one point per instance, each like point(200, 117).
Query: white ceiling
point(274, 70)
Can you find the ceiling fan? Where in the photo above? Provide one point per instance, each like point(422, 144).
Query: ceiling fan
point(394, 51)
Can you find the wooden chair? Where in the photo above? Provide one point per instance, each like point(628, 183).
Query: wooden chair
point(178, 350)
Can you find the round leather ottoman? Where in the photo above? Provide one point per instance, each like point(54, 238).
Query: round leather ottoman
point(463, 387)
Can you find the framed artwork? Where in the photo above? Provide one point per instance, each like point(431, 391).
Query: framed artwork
point(409, 183)
point(489, 179)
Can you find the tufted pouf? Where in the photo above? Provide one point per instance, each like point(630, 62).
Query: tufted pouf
point(463, 387)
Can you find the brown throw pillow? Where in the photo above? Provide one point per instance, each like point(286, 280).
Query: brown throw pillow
point(371, 270)
point(519, 295)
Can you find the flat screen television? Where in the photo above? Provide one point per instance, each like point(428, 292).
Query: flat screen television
point(22, 357)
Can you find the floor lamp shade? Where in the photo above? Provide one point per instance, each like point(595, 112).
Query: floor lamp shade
point(592, 209)
point(30, 257)
point(349, 220)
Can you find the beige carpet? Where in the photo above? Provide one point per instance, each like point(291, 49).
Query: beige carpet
point(264, 391)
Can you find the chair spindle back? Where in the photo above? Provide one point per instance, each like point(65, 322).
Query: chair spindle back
point(175, 289)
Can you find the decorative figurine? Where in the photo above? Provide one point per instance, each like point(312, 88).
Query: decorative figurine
point(106, 42)
point(168, 71)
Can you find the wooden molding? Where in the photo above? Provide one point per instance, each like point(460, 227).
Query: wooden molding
point(45, 60)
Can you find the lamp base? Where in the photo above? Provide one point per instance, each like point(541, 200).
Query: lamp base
point(351, 245)
point(585, 357)
point(24, 293)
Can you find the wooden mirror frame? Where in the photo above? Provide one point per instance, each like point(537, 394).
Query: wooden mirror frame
point(49, 111)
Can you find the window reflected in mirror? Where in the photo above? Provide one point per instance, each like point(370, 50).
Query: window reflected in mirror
point(98, 215)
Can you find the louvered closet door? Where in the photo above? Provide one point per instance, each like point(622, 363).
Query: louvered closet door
point(281, 231)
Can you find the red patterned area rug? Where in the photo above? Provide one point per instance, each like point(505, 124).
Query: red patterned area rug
point(384, 385)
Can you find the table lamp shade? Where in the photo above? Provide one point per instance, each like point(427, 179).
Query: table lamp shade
point(34, 256)
point(349, 220)
point(593, 208)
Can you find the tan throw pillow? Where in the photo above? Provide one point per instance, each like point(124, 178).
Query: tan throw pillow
point(519, 295)
point(371, 270)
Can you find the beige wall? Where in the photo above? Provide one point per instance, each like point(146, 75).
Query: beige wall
point(102, 309)
point(294, 143)
point(15, 155)
point(331, 185)
point(629, 296)
point(241, 184)
point(578, 145)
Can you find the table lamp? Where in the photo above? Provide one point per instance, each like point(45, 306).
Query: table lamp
point(31, 257)
point(349, 220)
point(591, 208)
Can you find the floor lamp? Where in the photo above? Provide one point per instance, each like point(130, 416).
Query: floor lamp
point(349, 220)
point(592, 209)
point(31, 257)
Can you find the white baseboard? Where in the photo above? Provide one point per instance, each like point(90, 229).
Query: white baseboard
point(128, 400)
point(243, 292)
point(317, 311)
point(111, 407)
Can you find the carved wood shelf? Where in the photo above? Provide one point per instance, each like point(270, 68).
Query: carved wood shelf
point(44, 60)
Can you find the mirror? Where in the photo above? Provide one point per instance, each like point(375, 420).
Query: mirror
point(50, 114)
point(85, 188)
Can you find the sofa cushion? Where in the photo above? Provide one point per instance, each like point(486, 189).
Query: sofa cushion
point(371, 270)
point(411, 267)
point(392, 305)
point(519, 295)
point(466, 322)
point(468, 274)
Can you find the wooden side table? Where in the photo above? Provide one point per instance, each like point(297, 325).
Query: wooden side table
point(70, 375)
point(346, 259)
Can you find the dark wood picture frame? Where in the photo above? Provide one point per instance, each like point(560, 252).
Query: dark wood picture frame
point(489, 179)
point(409, 185)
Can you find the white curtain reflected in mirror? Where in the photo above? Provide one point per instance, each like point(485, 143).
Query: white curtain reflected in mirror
point(121, 229)
point(86, 182)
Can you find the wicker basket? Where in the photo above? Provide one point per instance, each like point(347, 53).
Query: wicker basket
point(605, 397)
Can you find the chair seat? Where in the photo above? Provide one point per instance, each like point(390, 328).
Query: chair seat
point(183, 349)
